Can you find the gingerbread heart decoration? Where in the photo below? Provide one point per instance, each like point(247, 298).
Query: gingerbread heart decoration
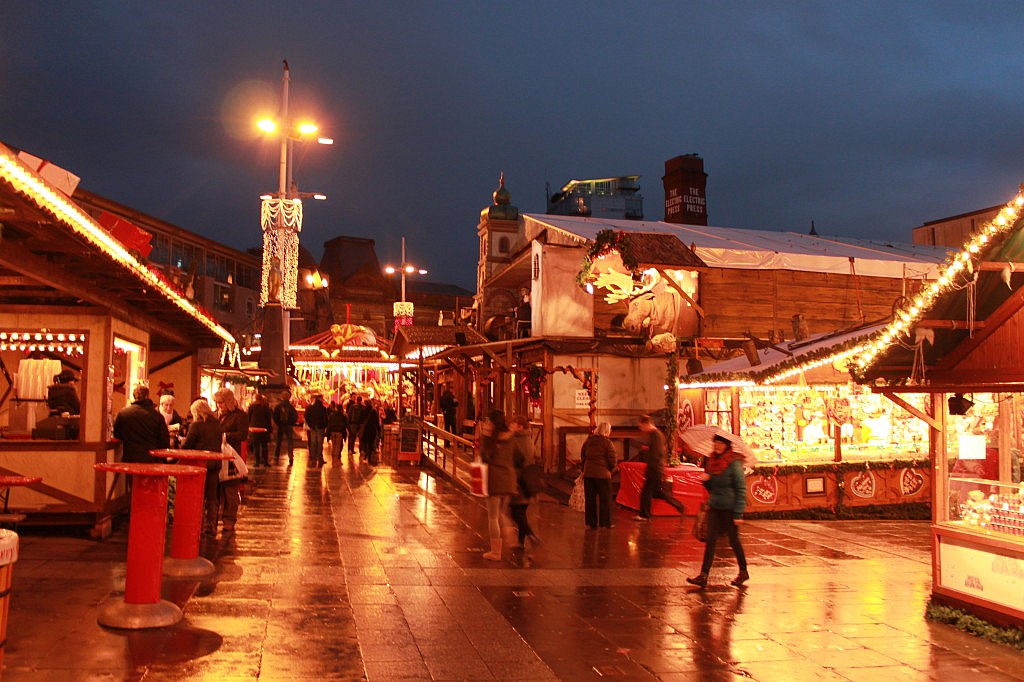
point(911, 482)
point(863, 484)
point(765, 490)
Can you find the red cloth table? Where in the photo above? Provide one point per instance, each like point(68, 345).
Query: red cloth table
point(686, 487)
point(7, 482)
point(187, 527)
point(142, 606)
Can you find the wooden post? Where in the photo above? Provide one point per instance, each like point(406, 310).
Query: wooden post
point(1005, 424)
point(940, 464)
point(837, 436)
point(547, 410)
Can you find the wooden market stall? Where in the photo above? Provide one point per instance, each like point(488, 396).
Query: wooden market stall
point(961, 341)
point(75, 302)
point(824, 444)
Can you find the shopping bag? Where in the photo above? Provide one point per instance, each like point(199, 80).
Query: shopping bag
point(478, 478)
point(700, 524)
point(234, 468)
point(577, 501)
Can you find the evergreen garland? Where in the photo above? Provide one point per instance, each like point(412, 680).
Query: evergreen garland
point(606, 242)
point(979, 627)
point(671, 401)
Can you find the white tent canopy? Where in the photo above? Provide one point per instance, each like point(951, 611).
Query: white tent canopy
point(729, 247)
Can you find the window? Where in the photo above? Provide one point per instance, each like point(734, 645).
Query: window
point(503, 245)
point(223, 298)
point(536, 266)
point(250, 306)
point(718, 408)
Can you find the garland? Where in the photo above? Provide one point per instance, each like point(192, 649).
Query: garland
point(838, 467)
point(671, 401)
point(606, 242)
point(907, 511)
point(969, 623)
point(533, 382)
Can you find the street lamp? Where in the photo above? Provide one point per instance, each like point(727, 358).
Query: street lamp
point(281, 220)
point(402, 309)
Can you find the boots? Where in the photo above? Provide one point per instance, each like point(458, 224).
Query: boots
point(741, 578)
point(700, 581)
point(495, 553)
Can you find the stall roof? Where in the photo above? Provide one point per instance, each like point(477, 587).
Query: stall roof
point(783, 360)
point(729, 247)
point(964, 329)
point(55, 254)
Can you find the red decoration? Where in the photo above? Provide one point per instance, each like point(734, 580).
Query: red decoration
point(134, 238)
point(911, 482)
point(765, 490)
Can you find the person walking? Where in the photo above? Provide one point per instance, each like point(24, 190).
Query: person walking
point(654, 456)
point(140, 428)
point(597, 460)
point(285, 419)
point(260, 417)
point(449, 405)
point(727, 500)
point(523, 456)
point(356, 413)
point(496, 453)
point(369, 434)
point(316, 428)
point(337, 430)
point(206, 433)
point(236, 429)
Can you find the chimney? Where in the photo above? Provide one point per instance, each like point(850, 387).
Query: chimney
point(685, 183)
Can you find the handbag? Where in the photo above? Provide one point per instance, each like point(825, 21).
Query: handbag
point(700, 524)
point(531, 480)
point(578, 501)
point(234, 468)
point(478, 478)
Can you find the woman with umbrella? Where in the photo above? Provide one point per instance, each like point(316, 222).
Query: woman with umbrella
point(726, 484)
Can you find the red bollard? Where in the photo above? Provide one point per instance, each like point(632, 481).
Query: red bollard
point(142, 606)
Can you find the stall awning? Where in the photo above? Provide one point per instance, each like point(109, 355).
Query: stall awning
point(412, 340)
point(53, 253)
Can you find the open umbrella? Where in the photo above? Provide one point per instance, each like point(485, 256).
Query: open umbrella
point(698, 437)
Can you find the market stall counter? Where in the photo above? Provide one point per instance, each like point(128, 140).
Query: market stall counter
point(686, 487)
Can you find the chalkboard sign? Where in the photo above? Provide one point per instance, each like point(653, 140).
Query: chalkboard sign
point(409, 443)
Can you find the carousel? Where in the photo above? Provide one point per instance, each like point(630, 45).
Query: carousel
point(345, 359)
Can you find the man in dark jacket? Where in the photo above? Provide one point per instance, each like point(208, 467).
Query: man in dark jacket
point(140, 428)
point(356, 415)
point(260, 417)
point(316, 425)
point(285, 419)
point(449, 405)
point(654, 456)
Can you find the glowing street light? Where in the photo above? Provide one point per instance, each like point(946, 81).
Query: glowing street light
point(405, 269)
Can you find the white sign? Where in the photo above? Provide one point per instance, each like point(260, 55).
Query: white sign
point(982, 573)
point(582, 399)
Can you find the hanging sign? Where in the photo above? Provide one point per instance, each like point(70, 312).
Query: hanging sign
point(582, 399)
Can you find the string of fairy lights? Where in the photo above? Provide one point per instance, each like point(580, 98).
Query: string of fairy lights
point(1005, 221)
point(50, 199)
point(281, 220)
point(29, 342)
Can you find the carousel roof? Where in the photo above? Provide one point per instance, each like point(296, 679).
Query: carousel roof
point(414, 338)
point(340, 343)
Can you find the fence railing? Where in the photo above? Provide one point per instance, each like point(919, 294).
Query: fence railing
point(449, 453)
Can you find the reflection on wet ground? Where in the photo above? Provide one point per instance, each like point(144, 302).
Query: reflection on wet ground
point(347, 573)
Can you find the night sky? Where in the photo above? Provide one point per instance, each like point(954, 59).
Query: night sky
point(869, 118)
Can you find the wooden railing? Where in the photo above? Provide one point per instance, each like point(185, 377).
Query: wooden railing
point(449, 453)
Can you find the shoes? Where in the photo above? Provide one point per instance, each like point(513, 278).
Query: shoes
point(700, 580)
point(610, 525)
point(641, 518)
point(740, 579)
point(589, 527)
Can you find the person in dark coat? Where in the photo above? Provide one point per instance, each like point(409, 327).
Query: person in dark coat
point(654, 475)
point(171, 418)
point(727, 500)
point(597, 460)
point(523, 455)
point(260, 417)
point(236, 429)
point(140, 428)
point(285, 419)
point(316, 429)
point(205, 433)
point(61, 396)
point(337, 429)
point(449, 405)
point(356, 413)
point(369, 434)
point(496, 452)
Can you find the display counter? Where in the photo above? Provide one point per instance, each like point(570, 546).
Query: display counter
point(686, 487)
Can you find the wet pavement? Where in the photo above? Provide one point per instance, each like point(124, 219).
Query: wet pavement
point(346, 573)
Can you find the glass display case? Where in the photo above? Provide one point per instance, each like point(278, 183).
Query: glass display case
point(799, 424)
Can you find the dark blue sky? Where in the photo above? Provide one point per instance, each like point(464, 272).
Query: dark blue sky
point(870, 118)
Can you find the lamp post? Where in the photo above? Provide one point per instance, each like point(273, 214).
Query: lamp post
point(403, 310)
point(281, 220)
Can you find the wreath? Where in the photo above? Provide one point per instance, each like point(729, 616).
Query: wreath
point(533, 381)
point(606, 242)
